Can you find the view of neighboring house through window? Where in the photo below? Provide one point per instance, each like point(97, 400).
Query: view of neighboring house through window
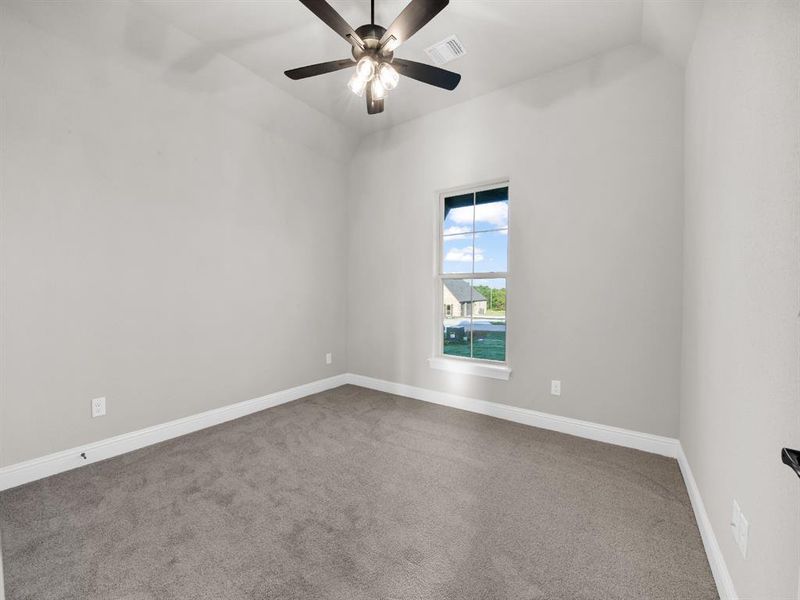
point(473, 273)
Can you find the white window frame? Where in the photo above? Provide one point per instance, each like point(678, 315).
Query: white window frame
point(458, 364)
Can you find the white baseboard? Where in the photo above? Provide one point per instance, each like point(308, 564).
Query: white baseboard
point(647, 442)
point(655, 444)
point(716, 560)
point(25, 472)
point(38, 468)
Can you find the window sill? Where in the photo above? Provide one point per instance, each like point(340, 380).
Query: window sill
point(478, 369)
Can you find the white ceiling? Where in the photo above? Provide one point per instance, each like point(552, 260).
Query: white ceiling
point(506, 41)
point(670, 27)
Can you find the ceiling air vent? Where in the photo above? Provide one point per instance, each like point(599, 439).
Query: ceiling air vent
point(446, 50)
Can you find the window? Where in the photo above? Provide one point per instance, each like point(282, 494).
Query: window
point(473, 275)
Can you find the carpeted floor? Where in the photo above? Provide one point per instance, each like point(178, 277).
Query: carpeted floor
point(357, 495)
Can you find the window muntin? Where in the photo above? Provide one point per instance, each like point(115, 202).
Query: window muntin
point(473, 274)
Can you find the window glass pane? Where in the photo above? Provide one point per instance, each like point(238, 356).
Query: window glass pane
point(459, 214)
point(489, 319)
point(475, 240)
point(491, 251)
point(457, 254)
point(456, 321)
point(491, 209)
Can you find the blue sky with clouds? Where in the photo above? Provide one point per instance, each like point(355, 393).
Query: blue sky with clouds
point(478, 233)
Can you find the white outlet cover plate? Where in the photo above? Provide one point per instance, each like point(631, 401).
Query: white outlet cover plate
point(744, 526)
point(555, 387)
point(98, 407)
point(735, 513)
point(328, 358)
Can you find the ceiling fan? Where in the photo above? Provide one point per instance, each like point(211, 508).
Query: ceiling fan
point(373, 52)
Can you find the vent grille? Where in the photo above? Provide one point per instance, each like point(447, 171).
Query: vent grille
point(445, 51)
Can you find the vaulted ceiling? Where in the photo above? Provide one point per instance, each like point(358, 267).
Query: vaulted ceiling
point(506, 41)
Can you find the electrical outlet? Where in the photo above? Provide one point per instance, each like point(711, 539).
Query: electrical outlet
point(735, 513)
point(555, 387)
point(98, 407)
point(740, 528)
point(328, 358)
point(744, 526)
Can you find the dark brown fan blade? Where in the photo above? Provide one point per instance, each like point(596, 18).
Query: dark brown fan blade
point(373, 106)
point(334, 20)
point(427, 73)
point(320, 69)
point(413, 18)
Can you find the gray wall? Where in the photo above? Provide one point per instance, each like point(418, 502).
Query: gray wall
point(153, 222)
point(594, 153)
point(160, 246)
point(741, 386)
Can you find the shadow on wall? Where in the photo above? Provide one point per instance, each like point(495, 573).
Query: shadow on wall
point(539, 92)
point(597, 72)
point(190, 65)
point(114, 39)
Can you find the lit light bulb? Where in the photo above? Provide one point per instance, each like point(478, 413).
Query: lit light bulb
point(388, 76)
point(365, 68)
point(357, 84)
point(378, 89)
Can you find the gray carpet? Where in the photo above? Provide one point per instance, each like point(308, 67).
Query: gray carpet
point(353, 494)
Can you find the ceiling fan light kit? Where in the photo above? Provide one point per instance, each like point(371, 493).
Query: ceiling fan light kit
point(373, 46)
point(383, 78)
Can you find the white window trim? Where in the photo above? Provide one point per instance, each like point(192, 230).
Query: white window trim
point(454, 364)
point(471, 366)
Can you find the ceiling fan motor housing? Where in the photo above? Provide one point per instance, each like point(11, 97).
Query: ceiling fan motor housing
point(371, 35)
